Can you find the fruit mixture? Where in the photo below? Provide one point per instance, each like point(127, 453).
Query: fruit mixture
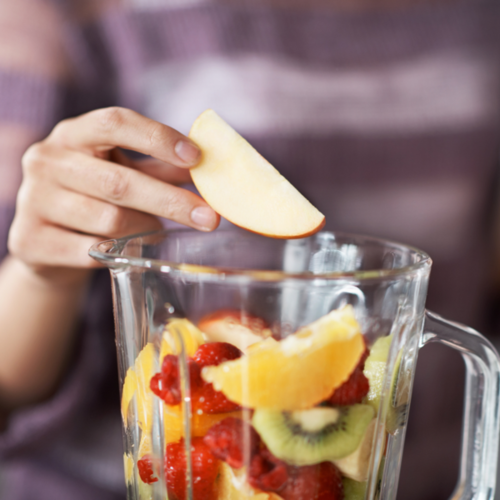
point(292, 419)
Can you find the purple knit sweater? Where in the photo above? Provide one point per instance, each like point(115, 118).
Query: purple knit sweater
point(386, 118)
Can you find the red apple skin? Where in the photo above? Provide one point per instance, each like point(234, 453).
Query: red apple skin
point(286, 237)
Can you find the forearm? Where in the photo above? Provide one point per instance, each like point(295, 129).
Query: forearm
point(38, 320)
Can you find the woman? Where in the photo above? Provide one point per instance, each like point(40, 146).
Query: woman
point(385, 116)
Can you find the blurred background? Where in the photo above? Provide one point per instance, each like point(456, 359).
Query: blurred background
point(383, 113)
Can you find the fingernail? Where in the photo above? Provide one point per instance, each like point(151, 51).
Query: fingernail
point(187, 152)
point(203, 217)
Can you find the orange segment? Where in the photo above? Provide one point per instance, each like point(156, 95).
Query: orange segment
point(145, 446)
point(232, 484)
point(145, 368)
point(128, 391)
point(138, 377)
point(297, 372)
point(176, 329)
point(200, 424)
point(128, 467)
point(137, 384)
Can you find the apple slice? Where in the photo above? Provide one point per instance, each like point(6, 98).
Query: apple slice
point(239, 184)
point(232, 326)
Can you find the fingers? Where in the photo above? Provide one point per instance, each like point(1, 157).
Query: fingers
point(41, 245)
point(123, 186)
point(105, 129)
point(152, 167)
point(163, 171)
point(79, 188)
point(87, 215)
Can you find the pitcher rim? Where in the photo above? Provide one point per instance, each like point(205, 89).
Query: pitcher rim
point(111, 257)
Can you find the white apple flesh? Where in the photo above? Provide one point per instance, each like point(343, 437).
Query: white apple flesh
point(242, 186)
point(240, 330)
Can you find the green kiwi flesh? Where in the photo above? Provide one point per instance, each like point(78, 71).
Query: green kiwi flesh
point(300, 438)
point(374, 371)
point(353, 490)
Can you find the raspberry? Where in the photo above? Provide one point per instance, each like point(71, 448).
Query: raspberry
point(313, 482)
point(215, 353)
point(354, 389)
point(205, 469)
point(230, 439)
point(166, 384)
point(146, 472)
point(267, 473)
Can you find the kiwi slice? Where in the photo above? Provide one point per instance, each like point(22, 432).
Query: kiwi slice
point(353, 490)
point(307, 437)
point(375, 366)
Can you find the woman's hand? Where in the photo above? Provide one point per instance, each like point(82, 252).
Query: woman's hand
point(78, 188)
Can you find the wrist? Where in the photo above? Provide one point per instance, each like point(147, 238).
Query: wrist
point(63, 280)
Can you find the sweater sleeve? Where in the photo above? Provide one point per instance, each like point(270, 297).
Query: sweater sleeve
point(33, 75)
point(38, 87)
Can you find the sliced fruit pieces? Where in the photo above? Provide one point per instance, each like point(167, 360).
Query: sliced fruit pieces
point(354, 389)
point(375, 366)
point(355, 465)
point(177, 329)
point(353, 490)
point(313, 482)
point(146, 468)
point(267, 472)
point(145, 491)
point(312, 436)
point(297, 372)
point(234, 327)
point(128, 467)
point(205, 469)
point(233, 485)
point(399, 398)
point(137, 384)
point(215, 353)
point(234, 441)
point(145, 445)
point(129, 389)
point(239, 184)
point(200, 423)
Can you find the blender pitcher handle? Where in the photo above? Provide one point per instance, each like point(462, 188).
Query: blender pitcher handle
point(480, 429)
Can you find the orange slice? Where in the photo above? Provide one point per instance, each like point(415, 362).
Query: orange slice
point(232, 484)
point(200, 423)
point(137, 384)
point(177, 331)
point(297, 372)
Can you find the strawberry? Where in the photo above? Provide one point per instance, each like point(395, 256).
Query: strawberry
point(205, 468)
point(208, 399)
point(211, 401)
point(313, 482)
point(354, 389)
point(146, 472)
point(230, 439)
point(215, 353)
point(266, 472)
point(166, 384)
